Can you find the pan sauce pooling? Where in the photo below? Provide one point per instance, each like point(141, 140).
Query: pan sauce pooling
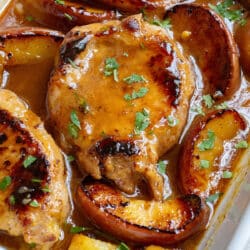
point(118, 100)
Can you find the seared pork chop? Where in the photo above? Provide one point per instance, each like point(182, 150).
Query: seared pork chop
point(33, 195)
point(118, 100)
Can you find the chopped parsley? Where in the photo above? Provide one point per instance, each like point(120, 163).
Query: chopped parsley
point(172, 121)
point(76, 229)
point(75, 125)
point(32, 245)
point(59, 2)
point(73, 130)
point(213, 198)
point(111, 68)
point(198, 110)
point(208, 143)
point(141, 121)
point(29, 160)
point(69, 17)
point(36, 180)
point(5, 182)
point(34, 203)
point(165, 24)
point(161, 166)
point(72, 63)
point(224, 9)
point(222, 105)
point(122, 246)
point(204, 164)
point(134, 78)
point(30, 18)
point(140, 93)
point(241, 144)
point(12, 200)
point(74, 119)
point(46, 189)
point(70, 158)
point(227, 174)
point(208, 100)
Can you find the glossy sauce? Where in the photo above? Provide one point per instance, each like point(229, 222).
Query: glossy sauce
point(32, 88)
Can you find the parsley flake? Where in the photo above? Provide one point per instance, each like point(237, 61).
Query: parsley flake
point(74, 119)
point(70, 158)
point(36, 180)
point(111, 68)
point(222, 105)
point(213, 198)
point(241, 144)
point(140, 93)
point(204, 164)
point(227, 174)
point(32, 245)
point(12, 200)
point(30, 18)
point(208, 100)
point(5, 182)
point(46, 189)
point(122, 246)
point(72, 63)
point(69, 17)
point(34, 203)
point(161, 166)
point(29, 161)
point(198, 110)
point(224, 9)
point(76, 229)
point(141, 121)
point(165, 24)
point(73, 130)
point(207, 143)
point(59, 2)
point(172, 121)
point(134, 78)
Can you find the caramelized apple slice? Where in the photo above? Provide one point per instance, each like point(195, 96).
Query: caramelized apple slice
point(26, 59)
point(205, 36)
point(140, 221)
point(28, 45)
point(204, 160)
point(67, 14)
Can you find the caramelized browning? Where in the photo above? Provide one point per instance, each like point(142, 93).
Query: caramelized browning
point(140, 50)
point(140, 221)
point(202, 179)
point(34, 200)
point(211, 44)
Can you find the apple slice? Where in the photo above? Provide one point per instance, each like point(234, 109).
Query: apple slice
point(208, 152)
point(64, 15)
point(205, 36)
point(140, 221)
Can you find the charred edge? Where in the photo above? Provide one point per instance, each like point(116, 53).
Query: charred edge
point(3, 138)
point(71, 49)
point(191, 202)
point(131, 24)
point(56, 37)
point(109, 146)
point(164, 71)
point(22, 177)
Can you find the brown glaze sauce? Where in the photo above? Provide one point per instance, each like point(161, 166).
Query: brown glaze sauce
point(32, 88)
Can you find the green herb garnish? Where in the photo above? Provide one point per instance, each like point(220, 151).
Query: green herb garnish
point(34, 203)
point(208, 100)
point(141, 121)
point(134, 78)
point(241, 144)
point(122, 246)
point(32, 245)
point(165, 24)
point(172, 121)
point(59, 2)
point(204, 164)
point(140, 93)
point(46, 189)
point(70, 158)
point(69, 17)
point(72, 63)
point(161, 166)
point(29, 160)
point(222, 105)
point(207, 143)
point(198, 110)
point(74, 119)
point(73, 130)
point(111, 68)
point(227, 174)
point(225, 10)
point(12, 200)
point(5, 182)
point(76, 229)
point(213, 198)
point(30, 18)
point(36, 180)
